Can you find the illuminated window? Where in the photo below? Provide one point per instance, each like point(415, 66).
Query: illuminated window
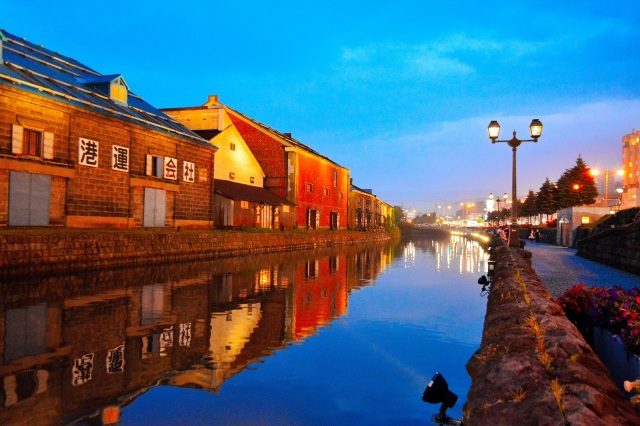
point(285, 209)
point(118, 93)
point(585, 220)
point(244, 204)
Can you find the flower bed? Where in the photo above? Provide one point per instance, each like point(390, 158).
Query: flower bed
point(615, 309)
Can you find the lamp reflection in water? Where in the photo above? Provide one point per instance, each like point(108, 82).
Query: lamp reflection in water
point(437, 392)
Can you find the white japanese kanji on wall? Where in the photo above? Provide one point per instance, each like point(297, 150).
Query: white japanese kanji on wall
point(170, 168)
point(166, 340)
point(88, 152)
point(82, 370)
point(188, 171)
point(115, 360)
point(120, 158)
point(184, 337)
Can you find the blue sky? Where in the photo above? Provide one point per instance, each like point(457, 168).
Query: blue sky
point(400, 93)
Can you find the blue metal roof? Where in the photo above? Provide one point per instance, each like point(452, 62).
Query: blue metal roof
point(42, 71)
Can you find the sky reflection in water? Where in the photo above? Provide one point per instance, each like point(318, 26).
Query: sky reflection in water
point(423, 313)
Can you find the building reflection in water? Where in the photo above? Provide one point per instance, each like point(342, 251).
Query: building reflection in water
point(81, 347)
point(458, 252)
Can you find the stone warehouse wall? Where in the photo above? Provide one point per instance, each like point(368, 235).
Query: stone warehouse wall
point(533, 366)
point(618, 247)
point(61, 252)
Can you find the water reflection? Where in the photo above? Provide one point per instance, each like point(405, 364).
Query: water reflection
point(469, 254)
point(79, 348)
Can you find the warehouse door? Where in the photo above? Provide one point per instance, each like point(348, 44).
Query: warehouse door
point(29, 196)
point(155, 206)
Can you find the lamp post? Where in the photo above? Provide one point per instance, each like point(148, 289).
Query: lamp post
point(535, 130)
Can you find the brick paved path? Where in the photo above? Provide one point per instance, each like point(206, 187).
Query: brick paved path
point(559, 269)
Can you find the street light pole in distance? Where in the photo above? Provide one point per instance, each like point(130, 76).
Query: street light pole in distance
point(535, 130)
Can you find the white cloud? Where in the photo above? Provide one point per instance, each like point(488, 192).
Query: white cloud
point(437, 59)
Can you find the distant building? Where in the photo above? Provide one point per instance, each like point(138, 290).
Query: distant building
point(240, 197)
point(80, 149)
point(366, 210)
point(571, 218)
point(316, 186)
point(631, 168)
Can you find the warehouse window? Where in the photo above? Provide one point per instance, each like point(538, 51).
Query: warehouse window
point(27, 141)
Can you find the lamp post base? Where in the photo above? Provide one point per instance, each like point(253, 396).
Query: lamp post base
point(514, 238)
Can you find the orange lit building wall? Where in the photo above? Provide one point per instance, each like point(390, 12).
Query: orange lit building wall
point(320, 298)
point(630, 165)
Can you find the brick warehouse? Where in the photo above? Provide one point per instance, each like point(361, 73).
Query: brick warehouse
point(79, 149)
point(316, 185)
point(240, 197)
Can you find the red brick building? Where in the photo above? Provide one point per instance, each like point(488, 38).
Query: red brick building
point(316, 185)
point(79, 149)
point(240, 198)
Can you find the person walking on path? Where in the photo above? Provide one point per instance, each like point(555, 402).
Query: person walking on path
point(559, 269)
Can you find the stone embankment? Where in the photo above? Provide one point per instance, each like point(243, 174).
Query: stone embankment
point(47, 252)
point(533, 366)
point(618, 247)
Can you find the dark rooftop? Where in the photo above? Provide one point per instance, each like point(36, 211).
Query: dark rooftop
point(44, 72)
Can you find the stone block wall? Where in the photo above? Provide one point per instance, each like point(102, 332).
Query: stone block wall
point(533, 366)
point(618, 247)
point(83, 196)
point(61, 252)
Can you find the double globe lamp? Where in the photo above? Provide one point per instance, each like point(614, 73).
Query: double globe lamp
point(535, 130)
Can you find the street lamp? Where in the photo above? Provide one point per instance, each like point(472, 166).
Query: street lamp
point(535, 130)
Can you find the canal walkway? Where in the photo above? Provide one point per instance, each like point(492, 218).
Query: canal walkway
point(559, 269)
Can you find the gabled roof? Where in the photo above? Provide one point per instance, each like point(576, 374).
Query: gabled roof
point(365, 191)
point(41, 71)
point(102, 79)
point(238, 191)
point(285, 137)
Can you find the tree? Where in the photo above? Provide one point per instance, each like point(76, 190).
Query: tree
point(426, 219)
point(576, 186)
point(398, 214)
point(548, 198)
point(529, 207)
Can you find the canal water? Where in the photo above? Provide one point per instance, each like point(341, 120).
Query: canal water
point(323, 337)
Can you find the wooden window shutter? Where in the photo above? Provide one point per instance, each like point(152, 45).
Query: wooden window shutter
point(17, 133)
point(149, 166)
point(159, 166)
point(47, 151)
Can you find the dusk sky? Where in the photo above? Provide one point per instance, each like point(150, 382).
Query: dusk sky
point(401, 93)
